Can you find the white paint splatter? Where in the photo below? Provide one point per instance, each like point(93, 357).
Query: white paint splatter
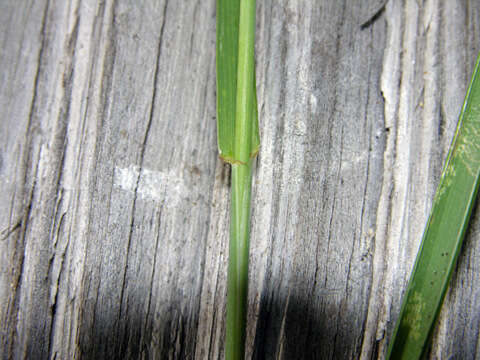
point(152, 185)
point(126, 178)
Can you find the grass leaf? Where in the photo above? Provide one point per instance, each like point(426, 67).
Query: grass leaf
point(228, 18)
point(444, 233)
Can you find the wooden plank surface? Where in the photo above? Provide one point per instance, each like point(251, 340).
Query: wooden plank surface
point(114, 204)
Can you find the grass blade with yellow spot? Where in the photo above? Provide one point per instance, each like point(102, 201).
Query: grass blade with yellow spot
point(444, 233)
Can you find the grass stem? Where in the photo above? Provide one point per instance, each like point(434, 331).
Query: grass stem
point(238, 140)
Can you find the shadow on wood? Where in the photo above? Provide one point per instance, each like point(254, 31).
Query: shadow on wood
point(290, 328)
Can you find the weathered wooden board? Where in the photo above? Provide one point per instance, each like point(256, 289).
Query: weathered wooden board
point(114, 204)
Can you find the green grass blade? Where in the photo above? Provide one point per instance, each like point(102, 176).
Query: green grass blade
point(228, 17)
point(443, 235)
point(245, 83)
point(238, 143)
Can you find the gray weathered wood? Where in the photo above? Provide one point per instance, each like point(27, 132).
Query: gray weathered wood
point(114, 209)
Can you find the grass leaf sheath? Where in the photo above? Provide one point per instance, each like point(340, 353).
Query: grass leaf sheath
point(444, 233)
point(238, 143)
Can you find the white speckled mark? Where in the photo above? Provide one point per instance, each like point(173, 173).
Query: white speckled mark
point(152, 185)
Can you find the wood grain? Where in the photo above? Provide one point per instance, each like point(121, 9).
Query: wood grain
point(114, 209)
